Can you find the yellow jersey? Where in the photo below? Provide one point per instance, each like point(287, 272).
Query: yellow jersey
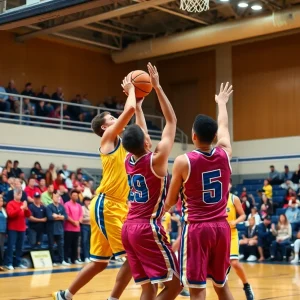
point(166, 223)
point(231, 211)
point(114, 183)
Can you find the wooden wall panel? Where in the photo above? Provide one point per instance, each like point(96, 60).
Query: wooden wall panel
point(75, 70)
point(266, 79)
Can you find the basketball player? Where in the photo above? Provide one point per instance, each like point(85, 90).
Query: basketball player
point(205, 175)
point(148, 251)
point(109, 207)
point(234, 207)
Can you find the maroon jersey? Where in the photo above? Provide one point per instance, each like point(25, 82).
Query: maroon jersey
point(206, 187)
point(147, 190)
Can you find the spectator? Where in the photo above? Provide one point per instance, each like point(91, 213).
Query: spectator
point(296, 176)
point(248, 244)
point(267, 188)
point(254, 214)
point(43, 93)
point(4, 186)
point(274, 176)
point(87, 191)
point(37, 221)
point(283, 233)
point(72, 227)
point(65, 171)
point(4, 102)
point(41, 110)
point(246, 204)
point(63, 192)
point(243, 193)
point(37, 171)
point(290, 196)
point(75, 111)
point(58, 96)
point(70, 181)
point(42, 185)
point(286, 175)
point(86, 229)
point(17, 186)
point(56, 215)
point(88, 113)
point(266, 207)
point(27, 110)
point(175, 224)
point(293, 215)
point(47, 197)
point(3, 226)
point(16, 171)
point(14, 100)
point(23, 180)
point(51, 175)
point(28, 90)
point(31, 189)
point(60, 180)
point(296, 249)
point(17, 212)
point(265, 236)
point(56, 114)
point(288, 184)
point(9, 168)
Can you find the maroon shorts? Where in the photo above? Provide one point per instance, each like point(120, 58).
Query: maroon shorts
point(148, 252)
point(205, 254)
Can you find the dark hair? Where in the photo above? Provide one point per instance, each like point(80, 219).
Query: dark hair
point(16, 161)
point(98, 121)
point(205, 128)
point(133, 139)
point(73, 191)
point(37, 163)
point(7, 162)
point(28, 84)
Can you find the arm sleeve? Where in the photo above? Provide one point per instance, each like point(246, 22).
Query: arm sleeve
point(49, 214)
point(12, 211)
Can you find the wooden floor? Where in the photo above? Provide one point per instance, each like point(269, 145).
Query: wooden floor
point(268, 281)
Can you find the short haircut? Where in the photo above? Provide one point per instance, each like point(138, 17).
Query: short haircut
point(99, 121)
point(134, 139)
point(73, 191)
point(205, 128)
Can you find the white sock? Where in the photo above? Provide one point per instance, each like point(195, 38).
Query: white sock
point(68, 295)
point(112, 298)
point(297, 256)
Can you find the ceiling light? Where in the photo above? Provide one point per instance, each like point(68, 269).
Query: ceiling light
point(243, 4)
point(256, 7)
point(224, 0)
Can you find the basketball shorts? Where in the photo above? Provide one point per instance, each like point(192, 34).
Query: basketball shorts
point(204, 254)
point(149, 253)
point(107, 218)
point(234, 245)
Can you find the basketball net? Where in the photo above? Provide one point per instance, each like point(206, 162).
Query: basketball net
point(194, 6)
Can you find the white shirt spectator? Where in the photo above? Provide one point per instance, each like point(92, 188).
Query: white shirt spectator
point(256, 217)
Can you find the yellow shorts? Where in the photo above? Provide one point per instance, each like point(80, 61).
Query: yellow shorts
point(234, 245)
point(107, 218)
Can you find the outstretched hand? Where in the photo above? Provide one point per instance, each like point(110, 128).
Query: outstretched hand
point(154, 77)
point(127, 86)
point(224, 93)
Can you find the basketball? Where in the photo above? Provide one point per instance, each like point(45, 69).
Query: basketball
point(142, 83)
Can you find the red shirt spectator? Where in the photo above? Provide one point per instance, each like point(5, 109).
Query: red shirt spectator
point(60, 180)
point(42, 185)
point(31, 189)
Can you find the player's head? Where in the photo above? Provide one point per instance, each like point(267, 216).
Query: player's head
point(135, 141)
point(204, 130)
point(101, 122)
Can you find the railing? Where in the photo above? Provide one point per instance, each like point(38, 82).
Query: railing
point(64, 123)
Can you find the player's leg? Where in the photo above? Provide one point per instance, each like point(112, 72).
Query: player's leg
point(171, 289)
point(149, 291)
point(223, 292)
point(296, 252)
point(197, 294)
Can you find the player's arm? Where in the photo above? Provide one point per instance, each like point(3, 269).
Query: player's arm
point(180, 171)
point(164, 147)
point(239, 209)
point(223, 131)
point(113, 131)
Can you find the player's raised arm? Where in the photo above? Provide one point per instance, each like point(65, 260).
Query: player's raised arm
point(164, 147)
point(223, 131)
point(114, 130)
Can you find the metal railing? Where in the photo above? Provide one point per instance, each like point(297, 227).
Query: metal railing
point(63, 122)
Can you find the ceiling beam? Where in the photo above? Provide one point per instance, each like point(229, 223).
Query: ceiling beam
point(101, 17)
point(93, 28)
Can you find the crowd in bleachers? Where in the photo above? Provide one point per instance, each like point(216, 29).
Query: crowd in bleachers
point(272, 229)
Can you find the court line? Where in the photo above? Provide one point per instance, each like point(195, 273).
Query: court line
point(269, 298)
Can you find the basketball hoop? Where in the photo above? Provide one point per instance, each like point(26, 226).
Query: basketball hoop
point(194, 6)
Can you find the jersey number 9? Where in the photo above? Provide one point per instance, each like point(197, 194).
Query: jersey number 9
point(138, 189)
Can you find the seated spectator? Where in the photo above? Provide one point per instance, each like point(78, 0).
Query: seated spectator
point(248, 244)
point(4, 186)
point(17, 185)
point(243, 193)
point(56, 215)
point(72, 227)
point(87, 113)
point(60, 180)
point(4, 102)
point(11, 181)
point(63, 192)
point(266, 208)
point(9, 168)
point(286, 175)
point(58, 96)
point(296, 176)
point(43, 93)
point(56, 114)
point(31, 189)
point(3, 226)
point(37, 221)
point(87, 191)
point(41, 110)
point(79, 178)
point(268, 189)
point(14, 100)
point(65, 171)
point(265, 237)
point(23, 180)
point(296, 249)
point(37, 171)
point(86, 229)
point(254, 214)
point(290, 196)
point(27, 109)
point(47, 196)
point(274, 176)
point(51, 175)
point(42, 185)
point(75, 111)
point(288, 184)
point(16, 171)
point(70, 181)
point(175, 224)
point(17, 212)
point(293, 215)
point(283, 233)
point(28, 90)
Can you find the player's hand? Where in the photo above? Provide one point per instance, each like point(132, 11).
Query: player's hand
point(232, 223)
point(127, 86)
point(154, 77)
point(224, 93)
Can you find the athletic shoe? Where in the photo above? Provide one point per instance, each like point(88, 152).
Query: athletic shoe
point(60, 295)
point(185, 293)
point(87, 261)
point(252, 258)
point(248, 292)
point(77, 262)
point(21, 267)
point(64, 263)
point(295, 261)
point(55, 265)
point(9, 267)
point(241, 256)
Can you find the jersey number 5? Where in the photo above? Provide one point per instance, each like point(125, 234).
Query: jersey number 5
point(212, 188)
point(138, 188)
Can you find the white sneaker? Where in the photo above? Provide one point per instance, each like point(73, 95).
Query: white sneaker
point(21, 267)
point(9, 268)
point(64, 263)
point(55, 265)
point(295, 261)
point(87, 261)
point(77, 262)
point(252, 258)
point(241, 256)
